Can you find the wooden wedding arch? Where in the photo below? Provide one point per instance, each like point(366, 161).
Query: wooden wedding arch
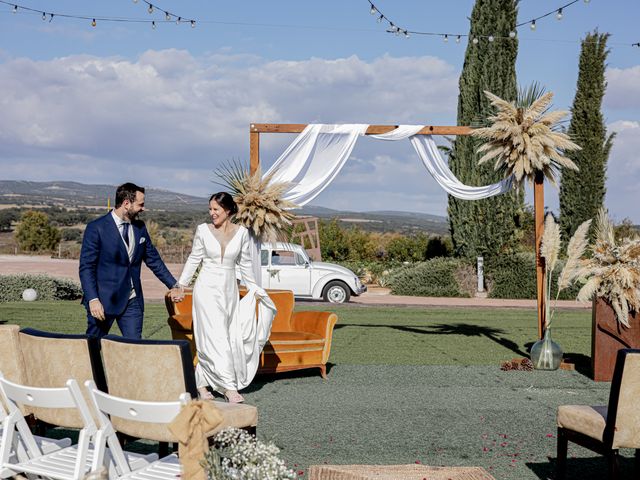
point(255, 129)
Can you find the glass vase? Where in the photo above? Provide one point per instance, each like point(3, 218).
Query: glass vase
point(546, 354)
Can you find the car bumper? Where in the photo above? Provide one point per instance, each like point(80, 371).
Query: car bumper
point(361, 289)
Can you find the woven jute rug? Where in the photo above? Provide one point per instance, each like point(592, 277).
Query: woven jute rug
point(396, 472)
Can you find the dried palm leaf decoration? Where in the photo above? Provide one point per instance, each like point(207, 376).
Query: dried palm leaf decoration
point(550, 251)
point(261, 206)
point(613, 272)
point(523, 138)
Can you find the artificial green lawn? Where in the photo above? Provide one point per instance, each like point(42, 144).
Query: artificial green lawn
point(408, 385)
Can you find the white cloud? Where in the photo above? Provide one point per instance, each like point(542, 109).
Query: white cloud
point(623, 88)
point(169, 118)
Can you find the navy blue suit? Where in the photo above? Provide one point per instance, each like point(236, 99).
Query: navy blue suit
point(107, 274)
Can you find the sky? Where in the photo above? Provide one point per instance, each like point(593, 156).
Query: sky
point(165, 107)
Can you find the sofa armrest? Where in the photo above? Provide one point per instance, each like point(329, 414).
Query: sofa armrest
point(181, 321)
point(320, 323)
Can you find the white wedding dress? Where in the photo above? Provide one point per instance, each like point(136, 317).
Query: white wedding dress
point(229, 333)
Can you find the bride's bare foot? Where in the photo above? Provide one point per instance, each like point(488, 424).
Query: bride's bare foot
point(204, 394)
point(233, 396)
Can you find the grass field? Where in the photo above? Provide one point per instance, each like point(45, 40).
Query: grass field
point(411, 385)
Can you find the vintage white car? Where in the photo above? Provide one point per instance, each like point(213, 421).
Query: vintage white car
point(287, 266)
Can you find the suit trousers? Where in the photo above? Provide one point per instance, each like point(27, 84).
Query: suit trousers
point(129, 322)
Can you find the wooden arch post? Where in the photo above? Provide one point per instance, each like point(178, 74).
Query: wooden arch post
point(255, 129)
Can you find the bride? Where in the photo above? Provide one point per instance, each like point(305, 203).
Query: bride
point(228, 336)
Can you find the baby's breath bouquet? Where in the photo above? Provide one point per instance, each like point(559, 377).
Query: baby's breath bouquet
point(261, 206)
point(238, 455)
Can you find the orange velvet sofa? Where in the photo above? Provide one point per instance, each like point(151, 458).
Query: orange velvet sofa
point(298, 340)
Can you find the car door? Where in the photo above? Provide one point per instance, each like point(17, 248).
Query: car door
point(289, 270)
point(264, 267)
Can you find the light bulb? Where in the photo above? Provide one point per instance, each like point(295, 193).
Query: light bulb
point(44, 16)
point(15, 9)
point(150, 9)
point(512, 34)
point(491, 38)
point(93, 22)
point(380, 19)
point(178, 20)
point(135, 1)
point(153, 24)
point(193, 24)
point(458, 39)
point(167, 16)
point(446, 38)
point(406, 34)
point(398, 31)
point(475, 41)
point(373, 10)
point(50, 17)
point(559, 15)
point(533, 25)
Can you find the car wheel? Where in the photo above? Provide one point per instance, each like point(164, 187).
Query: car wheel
point(336, 292)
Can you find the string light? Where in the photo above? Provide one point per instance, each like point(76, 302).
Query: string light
point(458, 38)
point(491, 38)
point(153, 25)
point(15, 7)
point(446, 38)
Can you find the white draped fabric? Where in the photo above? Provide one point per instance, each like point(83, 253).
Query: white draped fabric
point(318, 154)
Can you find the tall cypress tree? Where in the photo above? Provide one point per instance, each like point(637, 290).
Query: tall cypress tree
point(484, 227)
point(582, 193)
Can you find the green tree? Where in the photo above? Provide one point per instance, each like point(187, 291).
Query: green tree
point(34, 233)
point(7, 217)
point(484, 227)
point(582, 193)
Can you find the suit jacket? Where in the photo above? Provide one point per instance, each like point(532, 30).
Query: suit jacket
point(107, 273)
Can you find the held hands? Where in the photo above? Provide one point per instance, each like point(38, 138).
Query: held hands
point(177, 293)
point(96, 309)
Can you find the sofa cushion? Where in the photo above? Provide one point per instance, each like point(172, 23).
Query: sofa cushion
point(295, 338)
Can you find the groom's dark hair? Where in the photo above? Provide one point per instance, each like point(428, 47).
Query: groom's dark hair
point(127, 191)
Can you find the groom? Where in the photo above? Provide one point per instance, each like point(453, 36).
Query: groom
point(113, 249)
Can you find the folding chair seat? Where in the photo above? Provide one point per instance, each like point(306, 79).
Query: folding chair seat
point(606, 429)
point(110, 408)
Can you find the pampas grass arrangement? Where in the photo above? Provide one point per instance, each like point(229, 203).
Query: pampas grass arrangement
point(613, 272)
point(550, 251)
point(523, 138)
point(261, 206)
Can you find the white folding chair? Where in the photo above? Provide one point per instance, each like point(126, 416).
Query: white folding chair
point(17, 451)
point(147, 412)
point(67, 463)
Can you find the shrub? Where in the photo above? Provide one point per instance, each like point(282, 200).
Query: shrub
point(71, 234)
point(437, 277)
point(48, 288)
point(514, 276)
point(34, 233)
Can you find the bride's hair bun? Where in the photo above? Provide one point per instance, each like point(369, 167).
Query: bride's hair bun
point(226, 201)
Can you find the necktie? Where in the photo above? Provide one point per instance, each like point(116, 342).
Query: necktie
point(125, 233)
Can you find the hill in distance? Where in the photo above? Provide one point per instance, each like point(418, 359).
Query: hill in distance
point(66, 194)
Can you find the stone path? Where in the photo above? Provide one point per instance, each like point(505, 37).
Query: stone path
point(155, 290)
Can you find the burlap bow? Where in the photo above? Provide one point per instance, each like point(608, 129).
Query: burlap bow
point(190, 427)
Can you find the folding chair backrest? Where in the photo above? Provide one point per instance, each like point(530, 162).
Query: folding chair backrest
point(111, 408)
point(51, 359)
point(623, 414)
point(11, 360)
point(68, 397)
point(147, 371)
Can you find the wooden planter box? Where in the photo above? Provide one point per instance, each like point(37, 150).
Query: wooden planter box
point(607, 337)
